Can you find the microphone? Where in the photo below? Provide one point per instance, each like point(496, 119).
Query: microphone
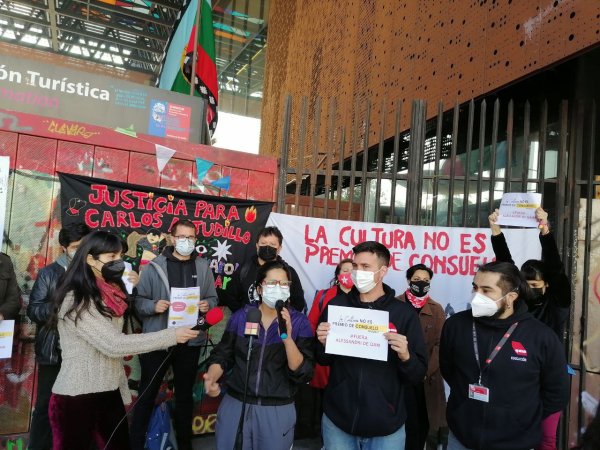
point(205, 321)
point(392, 328)
point(252, 320)
point(282, 328)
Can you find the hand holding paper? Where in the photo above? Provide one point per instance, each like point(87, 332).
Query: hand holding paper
point(519, 209)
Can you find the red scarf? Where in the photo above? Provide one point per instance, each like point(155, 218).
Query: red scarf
point(114, 298)
point(417, 302)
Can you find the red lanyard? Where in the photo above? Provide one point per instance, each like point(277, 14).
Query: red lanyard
point(497, 348)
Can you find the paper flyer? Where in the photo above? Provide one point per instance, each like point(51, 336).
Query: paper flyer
point(357, 332)
point(183, 311)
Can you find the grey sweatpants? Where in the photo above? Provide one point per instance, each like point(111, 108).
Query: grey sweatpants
point(265, 427)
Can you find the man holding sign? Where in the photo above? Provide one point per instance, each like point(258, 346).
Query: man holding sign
point(364, 400)
point(165, 287)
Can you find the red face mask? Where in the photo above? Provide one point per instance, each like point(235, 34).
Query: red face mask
point(345, 280)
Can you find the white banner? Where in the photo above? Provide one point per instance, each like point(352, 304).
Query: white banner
point(314, 247)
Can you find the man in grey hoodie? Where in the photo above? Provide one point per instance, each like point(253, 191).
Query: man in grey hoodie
point(179, 267)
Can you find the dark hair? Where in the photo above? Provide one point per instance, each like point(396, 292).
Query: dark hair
point(72, 232)
point(411, 270)
point(534, 269)
point(511, 279)
point(80, 279)
point(184, 223)
point(338, 269)
point(270, 265)
point(155, 232)
point(374, 247)
point(270, 231)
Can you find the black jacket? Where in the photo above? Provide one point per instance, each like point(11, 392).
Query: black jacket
point(527, 380)
point(365, 397)
point(10, 295)
point(240, 290)
point(47, 347)
point(270, 380)
point(554, 307)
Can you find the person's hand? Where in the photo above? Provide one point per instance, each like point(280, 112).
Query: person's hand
point(493, 219)
point(203, 306)
point(133, 277)
point(184, 334)
point(161, 306)
point(1, 317)
point(285, 315)
point(542, 218)
point(399, 344)
point(211, 387)
point(322, 332)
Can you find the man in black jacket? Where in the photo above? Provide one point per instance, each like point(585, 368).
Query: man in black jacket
point(47, 349)
point(506, 370)
point(363, 403)
point(241, 291)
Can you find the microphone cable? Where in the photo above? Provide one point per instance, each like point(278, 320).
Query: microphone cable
point(169, 352)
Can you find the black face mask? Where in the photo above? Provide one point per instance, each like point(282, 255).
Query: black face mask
point(419, 288)
point(113, 270)
point(267, 253)
point(538, 293)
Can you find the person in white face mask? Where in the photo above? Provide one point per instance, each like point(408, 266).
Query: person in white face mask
point(278, 367)
point(364, 404)
point(179, 266)
point(506, 370)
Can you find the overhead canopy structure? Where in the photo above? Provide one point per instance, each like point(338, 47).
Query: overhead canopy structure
point(132, 34)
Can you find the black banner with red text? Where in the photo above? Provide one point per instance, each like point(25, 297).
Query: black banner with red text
point(226, 227)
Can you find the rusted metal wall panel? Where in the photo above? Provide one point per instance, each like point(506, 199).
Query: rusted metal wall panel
point(367, 50)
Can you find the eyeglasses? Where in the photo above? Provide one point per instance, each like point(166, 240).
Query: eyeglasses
point(189, 238)
point(277, 282)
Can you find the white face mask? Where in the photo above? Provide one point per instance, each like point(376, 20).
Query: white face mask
point(270, 294)
point(364, 280)
point(184, 247)
point(70, 255)
point(483, 306)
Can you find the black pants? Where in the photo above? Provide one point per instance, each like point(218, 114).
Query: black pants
point(184, 360)
point(40, 435)
point(417, 424)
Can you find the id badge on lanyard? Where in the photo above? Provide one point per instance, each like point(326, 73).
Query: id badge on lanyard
point(477, 391)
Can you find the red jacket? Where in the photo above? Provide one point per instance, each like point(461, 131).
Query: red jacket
point(322, 297)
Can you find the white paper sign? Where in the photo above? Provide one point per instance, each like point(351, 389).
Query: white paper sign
point(7, 332)
point(128, 284)
point(357, 332)
point(183, 311)
point(518, 209)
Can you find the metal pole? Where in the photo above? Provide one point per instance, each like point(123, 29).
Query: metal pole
point(195, 52)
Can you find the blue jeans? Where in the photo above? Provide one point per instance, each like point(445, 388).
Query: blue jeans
point(336, 439)
point(454, 443)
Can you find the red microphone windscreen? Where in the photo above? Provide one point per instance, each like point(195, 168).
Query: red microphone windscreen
point(392, 328)
point(214, 316)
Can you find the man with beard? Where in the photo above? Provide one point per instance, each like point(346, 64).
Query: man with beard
point(506, 370)
point(241, 289)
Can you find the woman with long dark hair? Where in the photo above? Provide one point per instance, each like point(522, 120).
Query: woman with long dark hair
point(91, 387)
